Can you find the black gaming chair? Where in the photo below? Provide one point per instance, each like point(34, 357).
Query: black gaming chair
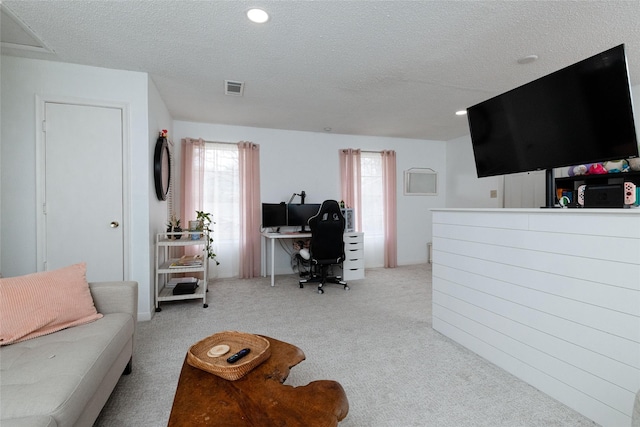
point(327, 244)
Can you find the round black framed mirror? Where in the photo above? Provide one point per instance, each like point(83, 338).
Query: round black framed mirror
point(162, 168)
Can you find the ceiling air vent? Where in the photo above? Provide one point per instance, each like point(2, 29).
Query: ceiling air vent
point(233, 88)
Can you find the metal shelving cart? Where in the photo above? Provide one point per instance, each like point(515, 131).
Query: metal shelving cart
point(165, 245)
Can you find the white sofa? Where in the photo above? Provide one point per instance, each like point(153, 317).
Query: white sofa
point(64, 379)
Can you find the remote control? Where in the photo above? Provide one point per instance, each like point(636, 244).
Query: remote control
point(629, 193)
point(239, 355)
point(581, 195)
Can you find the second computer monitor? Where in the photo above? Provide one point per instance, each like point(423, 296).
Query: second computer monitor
point(274, 215)
point(298, 214)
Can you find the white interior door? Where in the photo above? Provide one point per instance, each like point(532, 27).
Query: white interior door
point(83, 194)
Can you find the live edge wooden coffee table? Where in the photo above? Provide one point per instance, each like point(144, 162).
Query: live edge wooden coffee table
point(259, 399)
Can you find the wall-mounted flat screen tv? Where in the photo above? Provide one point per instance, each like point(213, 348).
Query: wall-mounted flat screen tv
point(580, 114)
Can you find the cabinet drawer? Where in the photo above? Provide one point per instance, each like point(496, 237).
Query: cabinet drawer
point(350, 263)
point(352, 274)
point(353, 238)
point(353, 246)
point(353, 256)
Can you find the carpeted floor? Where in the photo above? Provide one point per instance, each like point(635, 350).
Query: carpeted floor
point(376, 340)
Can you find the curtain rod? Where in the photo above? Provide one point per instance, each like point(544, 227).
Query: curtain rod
point(220, 142)
point(254, 146)
point(363, 151)
point(235, 143)
point(212, 142)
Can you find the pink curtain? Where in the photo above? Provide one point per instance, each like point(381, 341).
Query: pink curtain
point(389, 206)
point(249, 159)
point(350, 183)
point(192, 173)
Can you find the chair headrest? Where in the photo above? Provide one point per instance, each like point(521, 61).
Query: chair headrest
point(327, 211)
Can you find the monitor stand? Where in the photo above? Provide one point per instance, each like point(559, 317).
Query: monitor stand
point(550, 189)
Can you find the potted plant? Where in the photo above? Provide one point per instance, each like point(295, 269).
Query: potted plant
point(174, 227)
point(204, 222)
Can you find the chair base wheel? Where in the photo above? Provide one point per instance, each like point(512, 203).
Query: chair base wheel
point(346, 288)
point(205, 305)
point(320, 291)
point(158, 309)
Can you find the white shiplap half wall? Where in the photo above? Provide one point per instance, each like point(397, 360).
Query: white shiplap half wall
point(552, 296)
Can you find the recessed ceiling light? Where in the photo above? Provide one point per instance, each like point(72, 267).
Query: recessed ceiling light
point(461, 113)
point(258, 16)
point(527, 59)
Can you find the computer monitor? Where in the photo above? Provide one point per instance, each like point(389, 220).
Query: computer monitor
point(298, 214)
point(274, 215)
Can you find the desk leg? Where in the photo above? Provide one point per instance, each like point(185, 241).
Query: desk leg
point(273, 247)
point(263, 256)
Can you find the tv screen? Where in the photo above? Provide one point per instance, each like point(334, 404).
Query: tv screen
point(274, 215)
point(299, 214)
point(580, 114)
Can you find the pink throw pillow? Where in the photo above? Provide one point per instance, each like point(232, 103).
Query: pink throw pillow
point(42, 303)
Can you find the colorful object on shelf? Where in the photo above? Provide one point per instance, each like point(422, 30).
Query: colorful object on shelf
point(616, 166)
point(597, 169)
point(634, 164)
point(578, 170)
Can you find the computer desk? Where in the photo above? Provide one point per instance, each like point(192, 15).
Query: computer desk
point(293, 235)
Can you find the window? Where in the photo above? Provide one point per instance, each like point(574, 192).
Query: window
point(372, 208)
point(222, 198)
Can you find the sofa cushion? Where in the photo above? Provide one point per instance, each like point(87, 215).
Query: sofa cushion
point(41, 303)
point(36, 421)
point(57, 374)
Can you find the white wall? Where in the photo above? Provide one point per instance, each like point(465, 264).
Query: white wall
point(292, 161)
point(159, 118)
point(464, 188)
point(21, 80)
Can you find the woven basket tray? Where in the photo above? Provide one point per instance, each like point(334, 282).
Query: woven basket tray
point(260, 351)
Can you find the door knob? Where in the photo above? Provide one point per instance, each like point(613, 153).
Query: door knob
point(114, 224)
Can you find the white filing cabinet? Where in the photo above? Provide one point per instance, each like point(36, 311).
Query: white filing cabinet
point(353, 265)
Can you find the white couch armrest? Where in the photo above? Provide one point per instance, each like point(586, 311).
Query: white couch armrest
point(115, 297)
point(635, 418)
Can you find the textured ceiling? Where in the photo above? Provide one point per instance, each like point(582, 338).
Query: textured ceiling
point(383, 68)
